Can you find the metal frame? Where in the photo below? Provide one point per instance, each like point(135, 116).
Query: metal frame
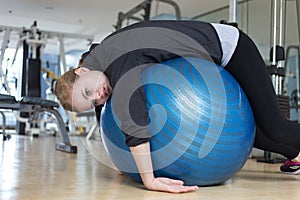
point(277, 42)
point(146, 6)
point(233, 11)
point(3, 48)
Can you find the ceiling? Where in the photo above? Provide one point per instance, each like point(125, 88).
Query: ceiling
point(87, 17)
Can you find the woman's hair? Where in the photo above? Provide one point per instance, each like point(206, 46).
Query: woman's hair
point(63, 89)
point(64, 85)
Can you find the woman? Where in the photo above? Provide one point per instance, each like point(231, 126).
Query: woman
point(115, 66)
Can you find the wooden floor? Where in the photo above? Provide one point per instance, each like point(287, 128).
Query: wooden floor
point(31, 168)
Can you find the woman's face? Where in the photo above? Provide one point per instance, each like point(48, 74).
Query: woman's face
point(91, 88)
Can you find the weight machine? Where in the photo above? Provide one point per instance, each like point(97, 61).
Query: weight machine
point(33, 42)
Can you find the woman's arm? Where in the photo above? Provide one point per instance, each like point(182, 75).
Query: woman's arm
point(142, 157)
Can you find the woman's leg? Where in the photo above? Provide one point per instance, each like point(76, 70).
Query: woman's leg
point(249, 69)
point(264, 143)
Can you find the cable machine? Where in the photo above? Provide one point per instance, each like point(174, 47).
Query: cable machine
point(277, 57)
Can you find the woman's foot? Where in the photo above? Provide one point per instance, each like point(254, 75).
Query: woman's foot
point(290, 167)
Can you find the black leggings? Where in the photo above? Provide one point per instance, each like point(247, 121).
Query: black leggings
point(274, 132)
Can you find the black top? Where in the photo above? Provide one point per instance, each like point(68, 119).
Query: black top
point(124, 54)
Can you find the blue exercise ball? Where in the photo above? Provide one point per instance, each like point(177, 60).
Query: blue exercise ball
point(201, 121)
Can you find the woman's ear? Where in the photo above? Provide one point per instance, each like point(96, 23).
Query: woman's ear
point(81, 70)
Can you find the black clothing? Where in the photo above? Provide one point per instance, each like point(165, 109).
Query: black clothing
point(140, 45)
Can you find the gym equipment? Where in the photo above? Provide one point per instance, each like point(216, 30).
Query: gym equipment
point(276, 68)
point(4, 134)
point(34, 106)
point(202, 124)
point(33, 41)
point(146, 7)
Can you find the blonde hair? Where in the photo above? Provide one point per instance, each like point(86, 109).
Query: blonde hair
point(63, 88)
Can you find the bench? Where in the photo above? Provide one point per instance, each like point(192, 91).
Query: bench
point(34, 106)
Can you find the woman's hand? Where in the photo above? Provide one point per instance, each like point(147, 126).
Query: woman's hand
point(169, 185)
point(142, 156)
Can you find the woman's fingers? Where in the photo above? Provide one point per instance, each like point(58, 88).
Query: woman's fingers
point(181, 189)
point(175, 186)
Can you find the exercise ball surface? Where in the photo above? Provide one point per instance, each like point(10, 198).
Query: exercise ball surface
point(201, 123)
